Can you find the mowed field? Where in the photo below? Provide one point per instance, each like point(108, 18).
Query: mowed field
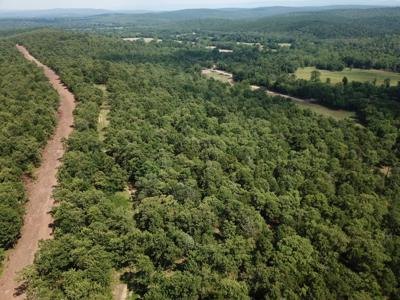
point(360, 75)
point(327, 112)
point(337, 114)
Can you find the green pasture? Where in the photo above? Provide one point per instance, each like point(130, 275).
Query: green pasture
point(360, 75)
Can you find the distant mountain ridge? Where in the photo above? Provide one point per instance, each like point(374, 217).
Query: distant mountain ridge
point(321, 22)
point(62, 13)
point(333, 23)
point(184, 14)
point(243, 13)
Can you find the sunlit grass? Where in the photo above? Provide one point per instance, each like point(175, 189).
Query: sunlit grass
point(325, 111)
point(218, 76)
point(360, 75)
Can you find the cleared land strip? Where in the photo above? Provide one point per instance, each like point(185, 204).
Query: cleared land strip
point(103, 115)
point(119, 289)
point(37, 219)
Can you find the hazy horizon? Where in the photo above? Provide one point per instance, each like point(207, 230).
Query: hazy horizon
point(174, 4)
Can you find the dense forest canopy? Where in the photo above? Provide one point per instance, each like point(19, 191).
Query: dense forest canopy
point(185, 187)
point(238, 195)
point(332, 24)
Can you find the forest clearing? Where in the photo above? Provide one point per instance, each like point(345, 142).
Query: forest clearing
point(218, 75)
point(103, 115)
point(337, 114)
point(354, 74)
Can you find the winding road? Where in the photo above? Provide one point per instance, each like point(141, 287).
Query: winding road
point(37, 220)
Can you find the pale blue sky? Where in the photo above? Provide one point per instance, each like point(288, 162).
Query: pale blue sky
point(174, 4)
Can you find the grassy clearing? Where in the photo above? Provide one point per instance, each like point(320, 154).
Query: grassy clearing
point(103, 115)
point(360, 75)
point(103, 121)
point(317, 108)
point(327, 112)
point(218, 75)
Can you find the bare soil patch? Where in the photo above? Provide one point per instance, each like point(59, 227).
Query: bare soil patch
point(120, 290)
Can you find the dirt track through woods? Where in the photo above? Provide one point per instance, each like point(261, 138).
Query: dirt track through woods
point(37, 219)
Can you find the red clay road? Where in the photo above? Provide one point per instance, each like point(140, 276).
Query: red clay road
point(37, 219)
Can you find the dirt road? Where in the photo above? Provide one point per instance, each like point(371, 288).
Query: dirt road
point(273, 94)
point(37, 219)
